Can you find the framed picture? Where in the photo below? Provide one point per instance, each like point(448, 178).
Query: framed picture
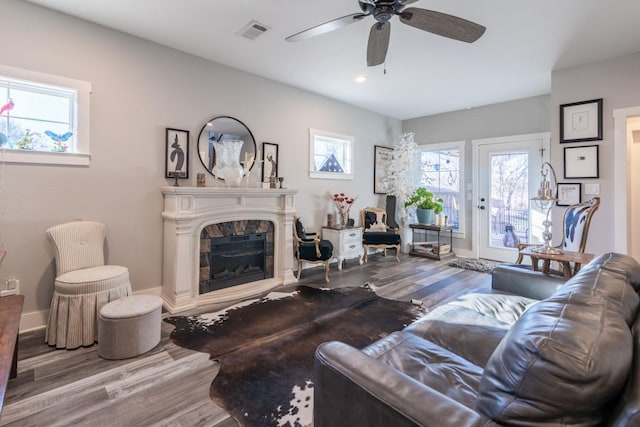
point(270, 160)
point(381, 156)
point(177, 154)
point(581, 121)
point(568, 193)
point(581, 162)
point(331, 155)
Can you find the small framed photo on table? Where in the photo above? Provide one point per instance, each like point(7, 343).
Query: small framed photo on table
point(177, 154)
point(568, 194)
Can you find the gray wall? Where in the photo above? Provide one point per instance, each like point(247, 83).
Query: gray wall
point(139, 89)
point(617, 81)
point(523, 116)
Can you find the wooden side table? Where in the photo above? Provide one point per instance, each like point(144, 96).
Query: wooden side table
point(434, 249)
point(565, 259)
point(347, 243)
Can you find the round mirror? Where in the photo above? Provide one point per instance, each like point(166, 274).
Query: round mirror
point(218, 130)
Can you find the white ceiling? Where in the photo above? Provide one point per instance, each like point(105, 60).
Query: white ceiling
point(425, 74)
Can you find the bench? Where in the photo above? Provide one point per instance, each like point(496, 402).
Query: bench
point(10, 311)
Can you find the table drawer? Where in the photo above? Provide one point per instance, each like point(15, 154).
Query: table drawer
point(352, 236)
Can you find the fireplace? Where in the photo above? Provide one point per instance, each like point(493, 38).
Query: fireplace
point(233, 253)
point(195, 217)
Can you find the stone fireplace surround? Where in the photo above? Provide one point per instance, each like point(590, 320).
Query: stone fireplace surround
point(188, 210)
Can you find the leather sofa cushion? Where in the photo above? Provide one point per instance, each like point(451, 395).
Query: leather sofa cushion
point(429, 364)
point(504, 308)
point(461, 330)
point(627, 409)
point(611, 285)
point(560, 363)
point(619, 263)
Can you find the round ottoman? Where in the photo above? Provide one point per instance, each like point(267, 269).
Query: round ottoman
point(129, 326)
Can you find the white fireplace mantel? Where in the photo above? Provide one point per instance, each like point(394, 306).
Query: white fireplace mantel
point(187, 210)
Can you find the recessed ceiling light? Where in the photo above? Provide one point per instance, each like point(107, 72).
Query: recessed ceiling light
point(360, 79)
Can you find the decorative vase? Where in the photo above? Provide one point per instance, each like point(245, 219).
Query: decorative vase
point(228, 162)
point(344, 219)
point(425, 216)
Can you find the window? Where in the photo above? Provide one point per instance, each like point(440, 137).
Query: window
point(331, 155)
point(441, 172)
point(43, 118)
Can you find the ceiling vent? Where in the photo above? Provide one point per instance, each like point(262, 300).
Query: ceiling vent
point(253, 30)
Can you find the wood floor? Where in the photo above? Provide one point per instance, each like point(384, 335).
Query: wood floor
point(169, 386)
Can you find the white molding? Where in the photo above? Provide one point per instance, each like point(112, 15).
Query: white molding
point(620, 177)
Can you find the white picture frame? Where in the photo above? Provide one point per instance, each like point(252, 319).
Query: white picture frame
point(568, 193)
point(581, 162)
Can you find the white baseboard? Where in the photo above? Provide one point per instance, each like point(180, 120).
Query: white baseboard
point(38, 319)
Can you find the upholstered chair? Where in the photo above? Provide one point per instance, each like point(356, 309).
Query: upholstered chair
point(575, 227)
point(83, 283)
point(377, 233)
point(310, 247)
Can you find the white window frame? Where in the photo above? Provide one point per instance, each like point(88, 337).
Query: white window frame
point(82, 155)
point(349, 142)
point(460, 146)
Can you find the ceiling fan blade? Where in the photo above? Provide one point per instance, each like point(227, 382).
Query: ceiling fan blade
point(378, 43)
point(405, 2)
point(327, 27)
point(442, 24)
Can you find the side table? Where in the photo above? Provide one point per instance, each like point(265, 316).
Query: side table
point(565, 259)
point(347, 243)
point(422, 246)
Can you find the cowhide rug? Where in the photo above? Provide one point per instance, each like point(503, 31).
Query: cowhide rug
point(265, 347)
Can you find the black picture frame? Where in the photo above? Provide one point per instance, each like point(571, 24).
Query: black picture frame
point(177, 153)
point(269, 160)
point(581, 121)
point(568, 193)
point(381, 157)
point(582, 162)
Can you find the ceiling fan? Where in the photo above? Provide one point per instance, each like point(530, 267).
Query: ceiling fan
point(382, 11)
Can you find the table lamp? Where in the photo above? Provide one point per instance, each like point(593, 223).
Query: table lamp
point(544, 200)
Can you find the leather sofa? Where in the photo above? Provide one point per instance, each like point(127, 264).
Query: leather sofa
point(536, 351)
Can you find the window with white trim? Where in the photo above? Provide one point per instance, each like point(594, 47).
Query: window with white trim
point(43, 118)
point(441, 172)
point(330, 155)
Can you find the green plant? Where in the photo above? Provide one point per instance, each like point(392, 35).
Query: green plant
point(423, 199)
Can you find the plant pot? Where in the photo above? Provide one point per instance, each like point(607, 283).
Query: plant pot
point(425, 216)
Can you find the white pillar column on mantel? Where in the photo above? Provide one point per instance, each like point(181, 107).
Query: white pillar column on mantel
point(187, 210)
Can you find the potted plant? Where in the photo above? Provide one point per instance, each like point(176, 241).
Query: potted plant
point(426, 205)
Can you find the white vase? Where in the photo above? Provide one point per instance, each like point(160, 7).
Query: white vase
point(228, 162)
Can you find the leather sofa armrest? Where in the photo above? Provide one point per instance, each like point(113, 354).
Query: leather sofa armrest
point(352, 388)
point(518, 280)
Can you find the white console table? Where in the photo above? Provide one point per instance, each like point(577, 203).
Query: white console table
point(347, 243)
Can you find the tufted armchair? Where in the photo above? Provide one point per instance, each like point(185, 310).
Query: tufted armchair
point(377, 233)
point(310, 247)
point(83, 283)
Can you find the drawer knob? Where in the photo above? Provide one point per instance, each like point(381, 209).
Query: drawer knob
point(352, 246)
point(352, 234)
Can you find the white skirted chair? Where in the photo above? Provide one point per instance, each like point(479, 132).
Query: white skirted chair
point(83, 283)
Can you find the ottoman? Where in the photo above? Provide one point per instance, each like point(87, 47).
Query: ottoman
point(129, 326)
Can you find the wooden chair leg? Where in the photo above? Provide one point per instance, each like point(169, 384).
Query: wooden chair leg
point(326, 271)
point(299, 269)
point(366, 252)
point(398, 253)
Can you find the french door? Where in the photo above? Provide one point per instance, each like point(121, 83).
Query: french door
point(508, 174)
